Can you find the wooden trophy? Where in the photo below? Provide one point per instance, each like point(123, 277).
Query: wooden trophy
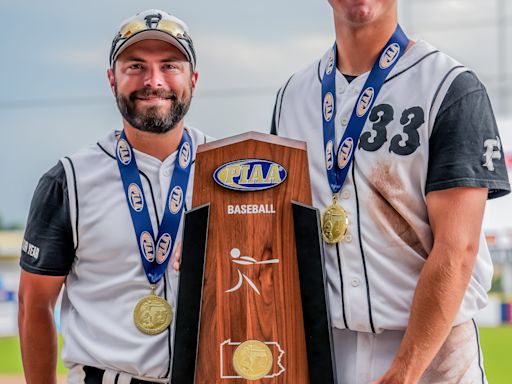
point(252, 306)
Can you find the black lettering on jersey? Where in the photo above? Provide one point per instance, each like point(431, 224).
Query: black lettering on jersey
point(404, 143)
point(412, 119)
point(381, 115)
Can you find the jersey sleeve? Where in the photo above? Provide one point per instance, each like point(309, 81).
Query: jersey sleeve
point(48, 247)
point(465, 149)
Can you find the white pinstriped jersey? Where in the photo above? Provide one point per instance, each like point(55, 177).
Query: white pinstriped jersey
point(105, 277)
point(372, 274)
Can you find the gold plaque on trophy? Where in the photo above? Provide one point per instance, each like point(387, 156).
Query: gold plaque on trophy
point(252, 360)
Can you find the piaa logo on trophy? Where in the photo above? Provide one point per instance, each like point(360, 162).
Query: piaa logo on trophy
point(250, 175)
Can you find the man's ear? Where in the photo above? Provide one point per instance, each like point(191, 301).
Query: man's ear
point(195, 75)
point(111, 80)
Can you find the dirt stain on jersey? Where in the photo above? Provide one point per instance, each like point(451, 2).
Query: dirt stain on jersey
point(388, 202)
point(456, 361)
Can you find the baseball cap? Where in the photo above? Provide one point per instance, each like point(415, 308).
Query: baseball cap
point(153, 24)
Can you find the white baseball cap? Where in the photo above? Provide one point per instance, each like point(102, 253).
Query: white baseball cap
point(157, 25)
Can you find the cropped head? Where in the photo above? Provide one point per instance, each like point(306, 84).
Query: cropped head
point(152, 70)
point(361, 12)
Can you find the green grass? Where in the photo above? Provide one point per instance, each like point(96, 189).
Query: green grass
point(496, 345)
point(10, 357)
point(497, 348)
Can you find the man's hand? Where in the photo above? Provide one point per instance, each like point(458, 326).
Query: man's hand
point(393, 376)
point(177, 257)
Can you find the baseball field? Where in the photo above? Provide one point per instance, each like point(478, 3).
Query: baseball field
point(496, 344)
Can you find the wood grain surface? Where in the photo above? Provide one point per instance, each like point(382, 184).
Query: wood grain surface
point(274, 316)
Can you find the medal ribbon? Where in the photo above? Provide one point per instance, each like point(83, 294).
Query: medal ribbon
point(155, 254)
point(338, 161)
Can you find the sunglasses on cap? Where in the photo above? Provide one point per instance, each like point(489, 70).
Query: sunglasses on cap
point(153, 22)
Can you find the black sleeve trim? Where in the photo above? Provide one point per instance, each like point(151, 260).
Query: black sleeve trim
point(41, 271)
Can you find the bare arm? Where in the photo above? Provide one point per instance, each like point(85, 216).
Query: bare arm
point(456, 217)
point(38, 336)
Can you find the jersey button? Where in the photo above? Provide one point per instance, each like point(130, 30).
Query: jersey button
point(345, 194)
point(344, 121)
point(355, 282)
point(166, 172)
point(348, 238)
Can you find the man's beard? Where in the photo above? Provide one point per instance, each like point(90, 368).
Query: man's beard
point(151, 119)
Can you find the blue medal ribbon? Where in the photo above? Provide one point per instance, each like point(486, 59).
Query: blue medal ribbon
point(338, 161)
point(155, 252)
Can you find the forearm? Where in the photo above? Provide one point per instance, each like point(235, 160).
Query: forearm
point(437, 299)
point(38, 338)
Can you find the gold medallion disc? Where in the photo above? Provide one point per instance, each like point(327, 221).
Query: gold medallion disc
point(252, 360)
point(334, 223)
point(152, 314)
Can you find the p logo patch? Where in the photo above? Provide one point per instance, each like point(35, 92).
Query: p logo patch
point(492, 152)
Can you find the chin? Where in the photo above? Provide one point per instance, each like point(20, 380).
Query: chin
point(156, 110)
point(360, 15)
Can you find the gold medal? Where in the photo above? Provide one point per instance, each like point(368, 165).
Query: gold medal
point(252, 360)
point(334, 223)
point(152, 314)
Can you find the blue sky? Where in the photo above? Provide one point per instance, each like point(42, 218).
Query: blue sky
point(55, 98)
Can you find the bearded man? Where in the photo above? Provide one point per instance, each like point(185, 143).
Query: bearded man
point(104, 226)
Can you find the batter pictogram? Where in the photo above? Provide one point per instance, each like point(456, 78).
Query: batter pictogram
point(246, 260)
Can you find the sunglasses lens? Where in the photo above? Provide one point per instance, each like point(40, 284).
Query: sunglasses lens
point(132, 28)
point(173, 28)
